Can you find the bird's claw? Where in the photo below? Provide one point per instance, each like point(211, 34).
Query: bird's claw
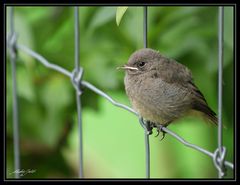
point(159, 129)
point(163, 136)
point(148, 126)
point(157, 133)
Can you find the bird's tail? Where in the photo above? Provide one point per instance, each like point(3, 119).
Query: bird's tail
point(207, 111)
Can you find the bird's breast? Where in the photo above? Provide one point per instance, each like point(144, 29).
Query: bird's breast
point(155, 99)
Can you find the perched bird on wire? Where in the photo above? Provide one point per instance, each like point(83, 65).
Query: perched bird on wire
point(162, 90)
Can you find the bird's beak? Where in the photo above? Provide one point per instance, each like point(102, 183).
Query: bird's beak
point(125, 67)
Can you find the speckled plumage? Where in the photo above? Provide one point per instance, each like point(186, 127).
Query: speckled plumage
point(162, 90)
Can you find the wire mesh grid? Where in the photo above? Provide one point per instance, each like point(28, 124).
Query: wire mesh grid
point(76, 77)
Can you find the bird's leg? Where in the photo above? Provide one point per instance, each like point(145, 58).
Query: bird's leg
point(147, 125)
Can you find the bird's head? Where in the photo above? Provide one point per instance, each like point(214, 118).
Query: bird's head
point(142, 61)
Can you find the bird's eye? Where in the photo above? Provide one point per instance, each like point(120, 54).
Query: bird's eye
point(141, 64)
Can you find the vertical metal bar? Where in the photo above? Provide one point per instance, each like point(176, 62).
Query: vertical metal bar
point(76, 30)
point(76, 15)
point(147, 148)
point(15, 100)
point(80, 136)
point(145, 27)
point(220, 76)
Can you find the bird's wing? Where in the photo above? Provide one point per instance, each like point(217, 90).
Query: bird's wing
point(171, 71)
point(177, 74)
point(199, 103)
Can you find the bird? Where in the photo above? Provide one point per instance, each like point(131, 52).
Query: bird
point(161, 90)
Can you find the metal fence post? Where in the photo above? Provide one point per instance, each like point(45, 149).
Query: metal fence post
point(221, 152)
point(147, 145)
point(78, 94)
point(13, 58)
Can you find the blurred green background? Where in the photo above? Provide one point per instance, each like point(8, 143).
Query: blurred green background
point(113, 140)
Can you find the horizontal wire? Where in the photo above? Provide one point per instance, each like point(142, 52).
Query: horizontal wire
point(101, 93)
point(229, 164)
point(43, 60)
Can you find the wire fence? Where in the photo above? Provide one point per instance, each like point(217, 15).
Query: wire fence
point(75, 76)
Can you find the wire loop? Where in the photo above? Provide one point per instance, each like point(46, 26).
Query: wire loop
point(218, 160)
point(76, 79)
point(12, 44)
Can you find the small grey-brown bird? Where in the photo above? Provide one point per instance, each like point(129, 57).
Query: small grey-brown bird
point(161, 90)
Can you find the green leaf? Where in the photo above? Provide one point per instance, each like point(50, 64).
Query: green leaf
point(120, 12)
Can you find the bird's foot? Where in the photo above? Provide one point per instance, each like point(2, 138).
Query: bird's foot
point(159, 129)
point(147, 125)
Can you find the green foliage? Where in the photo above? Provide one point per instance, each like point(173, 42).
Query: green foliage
point(101, 17)
point(113, 139)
